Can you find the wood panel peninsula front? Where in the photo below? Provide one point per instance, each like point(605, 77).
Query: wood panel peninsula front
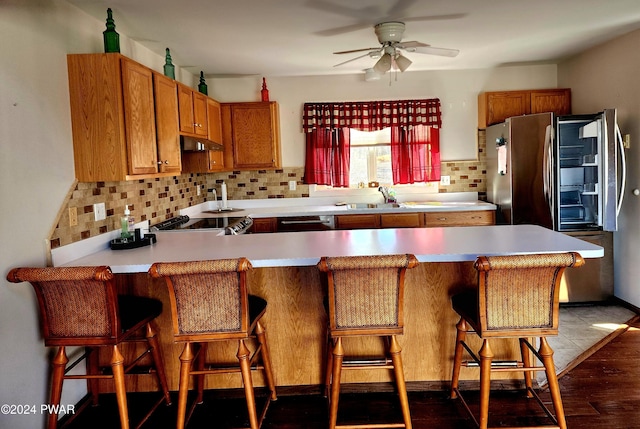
point(285, 274)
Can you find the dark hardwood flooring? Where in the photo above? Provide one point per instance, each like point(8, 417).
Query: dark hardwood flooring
point(601, 392)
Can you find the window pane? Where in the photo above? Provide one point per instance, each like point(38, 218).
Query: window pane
point(370, 163)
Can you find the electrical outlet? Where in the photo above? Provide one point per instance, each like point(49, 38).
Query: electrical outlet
point(73, 216)
point(292, 185)
point(198, 191)
point(445, 180)
point(99, 211)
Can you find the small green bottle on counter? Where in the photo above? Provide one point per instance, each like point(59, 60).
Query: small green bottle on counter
point(125, 223)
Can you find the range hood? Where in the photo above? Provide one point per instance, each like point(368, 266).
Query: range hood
point(193, 144)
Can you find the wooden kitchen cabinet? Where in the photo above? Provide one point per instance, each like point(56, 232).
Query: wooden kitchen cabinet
point(264, 225)
point(210, 160)
point(463, 218)
point(251, 134)
point(494, 107)
point(112, 117)
point(168, 138)
point(401, 220)
point(557, 101)
point(358, 221)
point(193, 112)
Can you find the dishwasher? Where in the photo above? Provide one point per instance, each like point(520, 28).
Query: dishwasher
point(305, 223)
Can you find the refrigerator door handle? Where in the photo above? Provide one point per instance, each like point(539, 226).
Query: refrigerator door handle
point(547, 179)
point(623, 165)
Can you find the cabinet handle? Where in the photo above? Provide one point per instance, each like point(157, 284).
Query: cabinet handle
point(442, 218)
point(166, 161)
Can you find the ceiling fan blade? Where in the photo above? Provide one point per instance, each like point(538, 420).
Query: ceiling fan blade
point(430, 50)
point(409, 46)
point(352, 59)
point(433, 17)
point(357, 50)
point(345, 29)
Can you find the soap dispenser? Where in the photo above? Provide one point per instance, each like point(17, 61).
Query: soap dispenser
point(127, 223)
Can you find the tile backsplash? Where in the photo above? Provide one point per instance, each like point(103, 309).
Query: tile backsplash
point(160, 199)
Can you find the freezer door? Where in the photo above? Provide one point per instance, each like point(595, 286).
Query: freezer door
point(590, 171)
point(613, 174)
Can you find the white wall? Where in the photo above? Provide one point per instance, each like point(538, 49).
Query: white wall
point(36, 157)
point(607, 77)
point(36, 172)
point(457, 90)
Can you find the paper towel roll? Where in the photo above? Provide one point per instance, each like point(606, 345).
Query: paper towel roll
point(223, 193)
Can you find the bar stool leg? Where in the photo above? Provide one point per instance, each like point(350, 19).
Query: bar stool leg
point(328, 367)
point(185, 368)
point(338, 356)
point(546, 352)
point(152, 340)
point(199, 365)
point(93, 385)
point(457, 358)
point(396, 358)
point(117, 367)
point(261, 334)
point(245, 368)
point(486, 356)
point(526, 361)
point(57, 377)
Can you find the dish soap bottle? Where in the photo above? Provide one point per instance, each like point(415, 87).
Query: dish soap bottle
point(127, 223)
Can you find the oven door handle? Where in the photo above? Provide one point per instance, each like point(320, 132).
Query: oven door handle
point(305, 222)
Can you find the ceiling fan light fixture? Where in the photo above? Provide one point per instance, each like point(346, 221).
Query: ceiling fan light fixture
point(383, 65)
point(402, 62)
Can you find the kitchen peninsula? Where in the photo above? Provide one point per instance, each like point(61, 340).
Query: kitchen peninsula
point(285, 274)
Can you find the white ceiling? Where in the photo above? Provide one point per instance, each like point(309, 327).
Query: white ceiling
point(298, 37)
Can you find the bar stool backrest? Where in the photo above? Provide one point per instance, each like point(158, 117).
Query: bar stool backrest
point(366, 293)
point(209, 299)
point(521, 293)
point(78, 305)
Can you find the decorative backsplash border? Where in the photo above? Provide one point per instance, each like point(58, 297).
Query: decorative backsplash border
point(160, 199)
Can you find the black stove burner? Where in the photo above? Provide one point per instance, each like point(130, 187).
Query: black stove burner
point(231, 225)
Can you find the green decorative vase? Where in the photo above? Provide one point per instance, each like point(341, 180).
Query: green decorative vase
point(202, 87)
point(169, 68)
point(111, 38)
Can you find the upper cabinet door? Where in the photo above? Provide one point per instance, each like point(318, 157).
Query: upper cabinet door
point(193, 112)
point(185, 100)
point(200, 114)
point(166, 99)
point(139, 117)
point(557, 101)
point(255, 134)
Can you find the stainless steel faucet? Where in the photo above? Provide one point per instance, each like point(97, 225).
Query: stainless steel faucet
point(388, 198)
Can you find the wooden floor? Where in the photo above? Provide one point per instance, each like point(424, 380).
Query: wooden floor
point(601, 392)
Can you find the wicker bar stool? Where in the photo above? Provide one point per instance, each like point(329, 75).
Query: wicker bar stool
point(79, 306)
point(365, 298)
point(210, 302)
point(516, 297)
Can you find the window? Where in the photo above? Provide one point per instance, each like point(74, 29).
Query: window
point(413, 146)
point(370, 157)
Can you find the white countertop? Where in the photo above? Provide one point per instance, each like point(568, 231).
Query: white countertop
point(201, 211)
point(452, 244)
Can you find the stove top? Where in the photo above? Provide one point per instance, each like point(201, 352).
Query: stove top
point(230, 225)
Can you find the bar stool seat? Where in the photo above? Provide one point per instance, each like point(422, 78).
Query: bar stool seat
point(365, 298)
point(79, 306)
point(515, 297)
point(210, 302)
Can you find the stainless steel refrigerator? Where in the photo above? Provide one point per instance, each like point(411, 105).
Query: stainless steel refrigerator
point(566, 173)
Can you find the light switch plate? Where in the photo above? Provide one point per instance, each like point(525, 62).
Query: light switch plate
point(292, 185)
point(99, 211)
point(445, 180)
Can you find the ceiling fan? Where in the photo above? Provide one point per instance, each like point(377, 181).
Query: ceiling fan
point(389, 54)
